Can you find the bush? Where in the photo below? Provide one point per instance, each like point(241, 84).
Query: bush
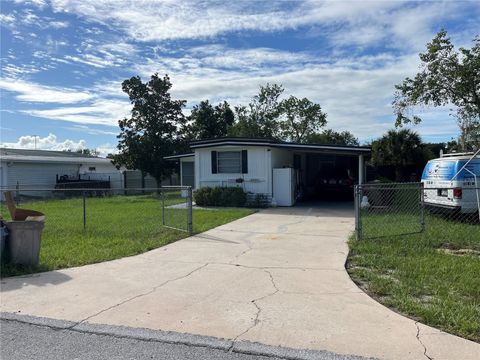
point(220, 196)
point(257, 200)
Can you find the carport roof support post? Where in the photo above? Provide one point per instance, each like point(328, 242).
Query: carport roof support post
point(361, 169)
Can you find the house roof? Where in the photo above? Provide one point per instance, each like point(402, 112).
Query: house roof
point(179, 156)
point(323, 148)
point(47, 156)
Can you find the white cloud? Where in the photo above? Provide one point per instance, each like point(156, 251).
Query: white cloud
point(106, 149)
point(28, 91)
point(7, 19)
point(91, 131)
point(13, 71)
point(99, 112)
point(355, 22)
point(38, 3)
point(58, 24)
point(103, 55)
point(91, 60)
point(49, 142)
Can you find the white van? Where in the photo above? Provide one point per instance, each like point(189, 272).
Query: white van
point(452, 182)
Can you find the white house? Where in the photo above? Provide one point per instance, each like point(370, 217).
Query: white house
point(38, 169)
point(283, 171)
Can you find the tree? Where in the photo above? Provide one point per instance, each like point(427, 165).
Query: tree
point(332, 137)
point(151, 131)
point(210, 122)
point(259, 118)
point(300, 118)
point(397, 148)
point(89, 152)
point(446, 77)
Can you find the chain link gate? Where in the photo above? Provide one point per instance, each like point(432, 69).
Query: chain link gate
point(177, 208)
point(390, 209)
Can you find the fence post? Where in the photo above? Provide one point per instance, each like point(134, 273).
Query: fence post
point(189, 211)
point(163, 205)
point(358, 200)
point(17, 193)
point(422, 205)
point(84, 212)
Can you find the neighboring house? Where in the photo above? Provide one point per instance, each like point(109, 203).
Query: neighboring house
point(39, 169)
point(280, 170)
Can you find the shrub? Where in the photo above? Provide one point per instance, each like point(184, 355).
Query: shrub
point(220, 196)
point(258, 200)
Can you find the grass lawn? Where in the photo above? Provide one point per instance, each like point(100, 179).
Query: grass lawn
point(116, 226)
point(433, 277)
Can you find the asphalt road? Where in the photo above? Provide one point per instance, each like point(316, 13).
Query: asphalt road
point(26, 341)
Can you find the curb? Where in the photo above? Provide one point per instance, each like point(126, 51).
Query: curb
point(172, 337)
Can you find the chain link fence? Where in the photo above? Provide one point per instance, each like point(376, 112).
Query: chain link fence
point(383, 210)
point(90, 212)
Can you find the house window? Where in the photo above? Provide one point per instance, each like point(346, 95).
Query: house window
point(229, 162)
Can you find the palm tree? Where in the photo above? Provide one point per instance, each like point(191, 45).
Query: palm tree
point(397, 148)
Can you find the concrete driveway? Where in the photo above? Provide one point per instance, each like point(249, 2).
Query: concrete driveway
point(276, 277)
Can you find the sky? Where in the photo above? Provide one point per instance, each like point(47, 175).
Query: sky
point(63, 61)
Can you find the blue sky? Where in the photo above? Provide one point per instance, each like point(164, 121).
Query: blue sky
point(63, 61)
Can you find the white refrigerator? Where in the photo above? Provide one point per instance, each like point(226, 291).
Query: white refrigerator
point(284, 186)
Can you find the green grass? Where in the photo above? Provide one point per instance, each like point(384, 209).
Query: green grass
point(116, 227)
point(433, 276)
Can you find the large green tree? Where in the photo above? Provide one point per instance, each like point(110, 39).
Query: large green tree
point(259, 119)
point(332, 137)
point(446, 77)
point(268, 116)
point(300, 118)
point(398, 148)
point(208, 121)
point(151, 131)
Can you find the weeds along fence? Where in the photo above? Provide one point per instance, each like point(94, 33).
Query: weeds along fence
point(384, 210)
point(90, 211)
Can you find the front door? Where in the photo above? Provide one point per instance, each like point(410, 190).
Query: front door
point(188, 173)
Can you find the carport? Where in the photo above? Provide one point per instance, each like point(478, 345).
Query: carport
point(328, 172)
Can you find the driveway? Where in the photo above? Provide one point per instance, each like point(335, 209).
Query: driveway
point(276, 277)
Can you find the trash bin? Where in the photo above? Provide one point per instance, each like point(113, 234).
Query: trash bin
point(3, 239)
point(24, 241)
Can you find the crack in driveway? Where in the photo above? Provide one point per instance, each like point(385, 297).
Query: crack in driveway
point(256, 320)
point(421, 343)
point(155, 288)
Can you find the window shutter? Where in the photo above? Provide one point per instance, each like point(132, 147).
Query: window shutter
point(244, 162)
point(214, 162)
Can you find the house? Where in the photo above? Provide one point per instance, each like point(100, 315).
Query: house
point(283, 171)
point(40, 169)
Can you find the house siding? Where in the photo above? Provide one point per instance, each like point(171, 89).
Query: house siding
point(30, 175)
point(282, 158)
point(36, 176)
point(257, 180)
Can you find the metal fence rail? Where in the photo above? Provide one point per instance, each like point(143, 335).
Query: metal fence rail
point(89, 211)
point(383, 210)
